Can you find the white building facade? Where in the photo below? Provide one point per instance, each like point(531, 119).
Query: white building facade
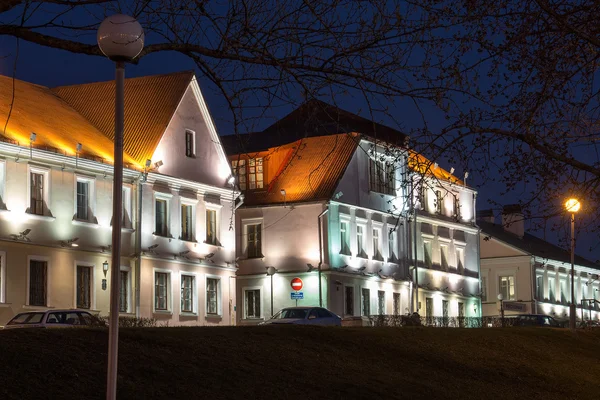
point(56, 189)
point(533, 275)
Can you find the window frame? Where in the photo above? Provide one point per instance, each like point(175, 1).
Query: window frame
point(484, 288)
point(392, 246)
point(377, 253)
point(216, 208)
point(169, 294)
point(193, 203)
point(361, 250)
point(514, 287)
point(219, 295)
point(346, 287)
point(460, 257)
point(439, 200)
point(444, 256)
point(128, 309)
point(552, 289)
point(363, 303)
point(427, 251)
point(194, 299)
point(382, 176)
point(45, 172)
point(127, 193)
point(247, 289)
point(396, 303)
point(381, 310)
point(2, 277)
point(190, 150)
point(246, 223)
point(91, 198)
point(47, 288)
point(2, 188)
point(347, 249)
point(167, 198)
point(92, 267)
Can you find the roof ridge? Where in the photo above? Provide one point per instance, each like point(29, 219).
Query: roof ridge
point(189, 72)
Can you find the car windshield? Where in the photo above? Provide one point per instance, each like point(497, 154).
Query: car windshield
point(27, 318)
point(295, 313)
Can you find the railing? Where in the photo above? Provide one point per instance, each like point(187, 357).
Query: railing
point(439, 322)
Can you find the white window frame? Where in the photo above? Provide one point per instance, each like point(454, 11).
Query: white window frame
point(384, 301)
point(129, 288)
point(48, 275)
point(127, 204)
point(196, 284)
point(92, 266)
point(392, 247)
point(507, 275)
point(444, 253)
point(362, 302)
point(365, 239)
point(219, 313)
point(428, 244)
point(217, 209)
point(245, 304)
point(91, 197)
point(552, 288)
point(353, 300)
point(346, 220)
point(46, 190)
point(399, 295)
point(3, 277)
point(168, 198)
point(245, 223)
point(484, 287)
point(169, 273)
point(193, 155)
point(439, 199)
point(194, 204)
point(460, 257)
point(377, 227)
point(567, 289)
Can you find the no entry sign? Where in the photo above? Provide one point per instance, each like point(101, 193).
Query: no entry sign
point(297, 284)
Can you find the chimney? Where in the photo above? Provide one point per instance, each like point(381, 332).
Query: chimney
point(513, 220)
point(486, 216)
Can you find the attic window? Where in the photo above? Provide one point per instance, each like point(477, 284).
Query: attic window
point(190, 148)
point(382, 177)
point(249, 173)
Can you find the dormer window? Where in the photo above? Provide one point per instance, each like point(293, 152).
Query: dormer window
point(249, 173)
point(382, 177)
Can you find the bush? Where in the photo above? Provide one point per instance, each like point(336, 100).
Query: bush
point(129, 322)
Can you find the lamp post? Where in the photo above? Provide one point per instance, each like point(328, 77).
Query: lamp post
point(572, 206)
point(121, 39)
point(271, 271)
point(501, 299)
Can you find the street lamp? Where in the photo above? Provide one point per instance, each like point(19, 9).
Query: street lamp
point(572, 206)
point(271, 271)
point(500, 299)
point(121, 39)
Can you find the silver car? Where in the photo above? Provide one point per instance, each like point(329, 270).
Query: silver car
point(52, 319)
point(304, 316)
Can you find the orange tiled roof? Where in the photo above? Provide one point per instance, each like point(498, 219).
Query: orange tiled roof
point(57, 125)
point(150, 102)
point(419, 163)
point(311, 169)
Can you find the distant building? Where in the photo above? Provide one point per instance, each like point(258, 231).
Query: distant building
point(533, 275)
point(327, 199)
point(56, 170)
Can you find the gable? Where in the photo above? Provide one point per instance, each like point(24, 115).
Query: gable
point(491, 247)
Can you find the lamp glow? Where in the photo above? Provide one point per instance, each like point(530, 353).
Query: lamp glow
point(572, 205)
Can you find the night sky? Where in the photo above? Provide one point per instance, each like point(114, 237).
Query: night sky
point(50, 67)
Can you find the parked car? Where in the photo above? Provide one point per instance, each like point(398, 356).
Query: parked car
point(52, 319)
point(304, 316)
point(533, 320)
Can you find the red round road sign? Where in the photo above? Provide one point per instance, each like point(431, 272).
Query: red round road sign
point(297, 284)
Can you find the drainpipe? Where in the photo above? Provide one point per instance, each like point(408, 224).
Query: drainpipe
point(478, 251)
point(320, 254)
point(138, 245)
point(533, 279)
point(415, 268)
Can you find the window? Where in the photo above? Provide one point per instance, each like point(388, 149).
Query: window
point(376, 245)
point(381, 177)
point(483, 288)
point(2, 277)
point(212, 296)
point(392, 247)
point(344, 238)
point(127, 223)
point(380, 302)
point(187, 293)
point(349, 301)
point(551, 289)
point(249, 173)
point(366, 301)
point(445, 309)
point(439, 202)
point(36, 203)
point(427, 254)
point(456, 210)
point(539, 287)
point(360, 243)
point(507, 287)
point(211, 227)
point(252, 298)
point(460, 259)
point(396, 303)
point(190, 149)
point(563, 290)
point(254, 241)
point(444, 256)
point(162, 217)
point(83, 200)
point(38, 276)
point(423, 196)
point(161, 291)
point(84, 287)
point(124, 291)
point(187, 222)
point(429, 307)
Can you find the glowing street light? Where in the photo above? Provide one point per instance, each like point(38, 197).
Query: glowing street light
point(572, 206)
point(121, 38)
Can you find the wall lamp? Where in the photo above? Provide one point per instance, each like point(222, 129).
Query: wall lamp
point(105, 268)
point(70, 242)
point(158, 164)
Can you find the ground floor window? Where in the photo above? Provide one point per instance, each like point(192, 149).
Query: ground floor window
point(212, 292)
point(161, 291)
point(84, 287)
point(252, 299)
point(380, 302)
point(124, 291)
point(349, 301)
point(396, 303)
point(429, 307)
point(366, 301)
point(38, 275)
point(187, 293)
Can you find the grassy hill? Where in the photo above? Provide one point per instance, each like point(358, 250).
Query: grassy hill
point(304, 363)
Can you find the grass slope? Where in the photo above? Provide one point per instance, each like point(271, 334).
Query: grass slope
point(303, 363)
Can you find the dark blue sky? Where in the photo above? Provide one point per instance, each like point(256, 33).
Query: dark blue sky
point(50, 67)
